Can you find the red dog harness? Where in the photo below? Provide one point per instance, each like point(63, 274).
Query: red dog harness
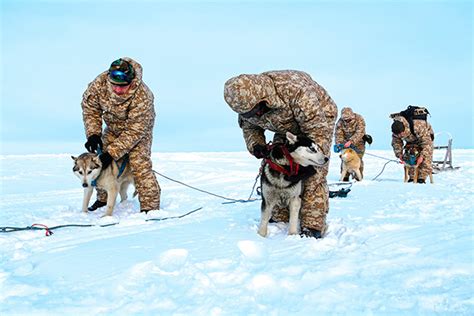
point(294, 167)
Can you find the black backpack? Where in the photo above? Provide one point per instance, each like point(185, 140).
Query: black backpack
point(413, 113)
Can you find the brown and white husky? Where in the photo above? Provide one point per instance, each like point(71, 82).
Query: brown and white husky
point(88, 168)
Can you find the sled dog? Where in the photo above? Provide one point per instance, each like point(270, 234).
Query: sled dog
point(88, 168)
point(283, 172)
point(410, 155)
point(350, 164)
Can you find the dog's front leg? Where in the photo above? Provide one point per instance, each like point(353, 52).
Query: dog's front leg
point(415, 176)
point(87, 198)
point(406, 174)
point(358, 175)
point(111, 198)
point(295, 206)
point(265, 218)
point(343, 173)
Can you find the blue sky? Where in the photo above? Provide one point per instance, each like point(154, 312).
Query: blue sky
point(377, 57)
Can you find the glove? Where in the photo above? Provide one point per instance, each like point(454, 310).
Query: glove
point(106, 159)
point(93, 143)
point(419, 160)
point(348, 144)
point(260, 151)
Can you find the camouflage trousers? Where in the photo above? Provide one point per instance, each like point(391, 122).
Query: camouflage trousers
point(149, 191)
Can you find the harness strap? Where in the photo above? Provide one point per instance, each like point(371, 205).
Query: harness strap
point(121, 169)
point(294, 167)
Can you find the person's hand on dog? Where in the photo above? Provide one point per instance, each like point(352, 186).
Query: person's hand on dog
point(348, 144)
point(419, 160)
point(93, 143)
point(106, 159)
point(260, 151)
point(401, 160)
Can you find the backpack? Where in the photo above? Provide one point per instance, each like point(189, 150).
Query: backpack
point(413, 113)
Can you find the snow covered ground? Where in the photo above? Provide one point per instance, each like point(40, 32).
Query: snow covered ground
point(391, 248)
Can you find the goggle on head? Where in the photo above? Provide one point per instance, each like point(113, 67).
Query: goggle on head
point(121, 73)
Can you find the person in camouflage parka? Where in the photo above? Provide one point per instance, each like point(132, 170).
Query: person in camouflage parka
point(282, 101)
point(423, 139)
point(125, 103)
point(350, 130)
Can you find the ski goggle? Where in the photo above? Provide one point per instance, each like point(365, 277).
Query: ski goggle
point(119, 77)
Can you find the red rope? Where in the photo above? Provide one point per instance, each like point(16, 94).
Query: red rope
point(46, 228)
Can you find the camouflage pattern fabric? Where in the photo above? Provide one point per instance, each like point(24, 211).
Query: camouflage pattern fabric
point(422, 138)
point(351, 127)
point(129, 121)
point(298, 105)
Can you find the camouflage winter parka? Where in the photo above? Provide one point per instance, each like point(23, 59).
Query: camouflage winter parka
point(423, 137)
point(129, 117)
point(351, 128)
point(298, 104)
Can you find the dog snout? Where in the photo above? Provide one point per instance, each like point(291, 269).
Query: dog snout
point(84, 185)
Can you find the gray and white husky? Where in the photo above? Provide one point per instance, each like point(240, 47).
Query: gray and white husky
point(88, 168)
point(283, 174)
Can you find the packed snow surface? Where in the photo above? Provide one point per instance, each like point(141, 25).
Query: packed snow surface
point(391, 247)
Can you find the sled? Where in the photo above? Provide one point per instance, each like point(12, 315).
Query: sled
point(447, 163)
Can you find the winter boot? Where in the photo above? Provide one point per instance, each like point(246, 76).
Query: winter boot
point(311, 233)
point(97, 204)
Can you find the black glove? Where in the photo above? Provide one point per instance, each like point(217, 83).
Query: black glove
point(93, 143)
point(106, 159)
point(260, 151)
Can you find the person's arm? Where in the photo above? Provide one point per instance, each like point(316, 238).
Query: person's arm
point(91, 111)
point(141, 117)
point(314, 121)
point(397, 145)
point(253, 135)
point(359, 133)
point(339, 133)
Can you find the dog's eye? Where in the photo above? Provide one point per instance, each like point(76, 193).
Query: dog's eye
point(89, 172)
point(80, 172)
point(312, 149)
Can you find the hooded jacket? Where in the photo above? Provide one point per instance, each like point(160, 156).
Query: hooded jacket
point(422, 137)
point(353, 130)
point(129, 117)
point(297, 104)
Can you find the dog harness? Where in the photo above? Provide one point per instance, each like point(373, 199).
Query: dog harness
point(121, 169)
point(339, 147)
point(294, 167)
point(410, 156)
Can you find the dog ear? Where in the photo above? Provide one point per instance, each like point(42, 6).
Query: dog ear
point(74, 158)
point(96, 159)
point(291, 138)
